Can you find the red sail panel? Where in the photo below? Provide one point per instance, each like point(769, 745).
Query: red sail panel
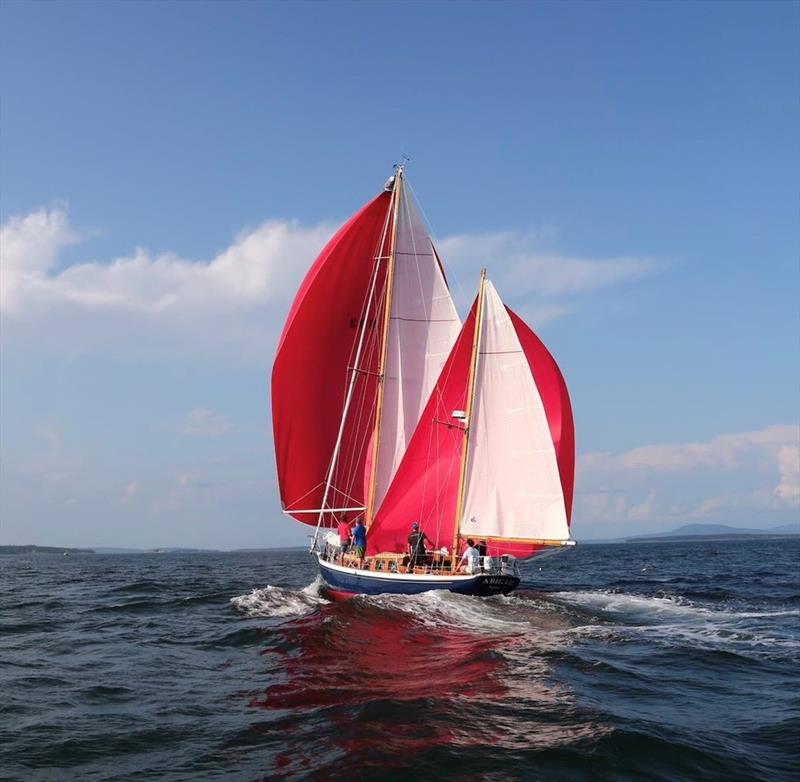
point(312, 370)
point(425, 486)
point(557, 407)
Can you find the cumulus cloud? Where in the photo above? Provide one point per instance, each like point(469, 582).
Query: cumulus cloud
point(149, 303)
point(728, 451)
point(257, 267)
point(523, 266)
point(154, 303)
point(764, 463)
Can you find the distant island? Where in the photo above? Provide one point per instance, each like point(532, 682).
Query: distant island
point(44, 550)
point(700, 532)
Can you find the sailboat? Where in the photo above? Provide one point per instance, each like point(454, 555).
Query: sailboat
point(388, 409)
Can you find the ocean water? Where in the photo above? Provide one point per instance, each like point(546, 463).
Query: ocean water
point(612, 662)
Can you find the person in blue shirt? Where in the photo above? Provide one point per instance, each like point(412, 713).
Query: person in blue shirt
point(360, 540)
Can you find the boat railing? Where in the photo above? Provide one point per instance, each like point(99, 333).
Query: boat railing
point(436, 563)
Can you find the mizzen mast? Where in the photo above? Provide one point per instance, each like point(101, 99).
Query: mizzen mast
point(476, 343)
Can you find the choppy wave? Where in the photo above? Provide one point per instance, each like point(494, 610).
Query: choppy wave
point(274, 601)
point(657, 662)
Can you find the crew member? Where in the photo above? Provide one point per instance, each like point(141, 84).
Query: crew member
point(416, 547)
point(470, 559)
point(360, 541)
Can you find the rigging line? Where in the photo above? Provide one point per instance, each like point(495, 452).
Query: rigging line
point(351, 466)
point(377, 257)
point(460, 285)
point(303, 496)
point(349, 470)
point(406, 219)
point(353, 472)
point(349, 394)
point(347, 466)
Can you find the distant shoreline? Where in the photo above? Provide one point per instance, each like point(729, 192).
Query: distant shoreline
point(693, 538)
point(66, 550)
point(44, 550)
point(100, 550)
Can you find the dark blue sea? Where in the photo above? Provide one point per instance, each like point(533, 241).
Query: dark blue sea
point(669, 661)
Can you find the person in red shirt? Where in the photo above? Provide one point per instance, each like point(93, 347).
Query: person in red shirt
point(345, 537)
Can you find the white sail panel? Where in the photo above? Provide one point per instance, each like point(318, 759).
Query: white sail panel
point(423, 327)
point(512, 487)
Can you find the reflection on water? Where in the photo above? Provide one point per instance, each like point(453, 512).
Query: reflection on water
point(396, 678)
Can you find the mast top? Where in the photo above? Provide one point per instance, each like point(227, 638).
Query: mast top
point(398, 168)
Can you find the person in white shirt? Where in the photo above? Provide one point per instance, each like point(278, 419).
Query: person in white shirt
point(470, 559)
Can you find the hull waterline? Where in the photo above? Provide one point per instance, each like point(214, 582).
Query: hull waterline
point(342, 582)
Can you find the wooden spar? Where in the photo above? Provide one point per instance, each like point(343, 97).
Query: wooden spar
point(476, 341)
point(534, 541)
point(398, 185)
point(351, 385)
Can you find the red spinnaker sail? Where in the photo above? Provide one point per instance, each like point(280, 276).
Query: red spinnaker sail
point(312, 370)
point(425, 486)
point(557, 407)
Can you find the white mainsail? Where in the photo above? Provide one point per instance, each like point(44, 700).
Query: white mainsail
point(423, 326)
point(512, 487)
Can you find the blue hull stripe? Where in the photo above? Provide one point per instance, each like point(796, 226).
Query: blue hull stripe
point(371, 583)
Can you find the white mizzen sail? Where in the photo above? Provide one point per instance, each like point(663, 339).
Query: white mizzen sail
point(512, 486)
point(423, 326)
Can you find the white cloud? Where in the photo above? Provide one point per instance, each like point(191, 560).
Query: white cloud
point(788, 490)
point(636, 485)
point(202, 422)
point(153, 304)
point(644, 509)
point(29, 248)
point(726, 452)
point(520, 264)
point(156, 303)
point(257, 267)
point(601, 504)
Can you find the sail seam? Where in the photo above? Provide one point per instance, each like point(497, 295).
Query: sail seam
point(422, 320)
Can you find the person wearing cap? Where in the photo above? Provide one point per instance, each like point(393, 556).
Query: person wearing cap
point(416, 546)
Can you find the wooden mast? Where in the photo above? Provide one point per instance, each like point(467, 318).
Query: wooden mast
point(353, 376)
point(476, 341)
point(398, 185)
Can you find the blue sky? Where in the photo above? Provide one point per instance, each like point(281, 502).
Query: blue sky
point(628, 171)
